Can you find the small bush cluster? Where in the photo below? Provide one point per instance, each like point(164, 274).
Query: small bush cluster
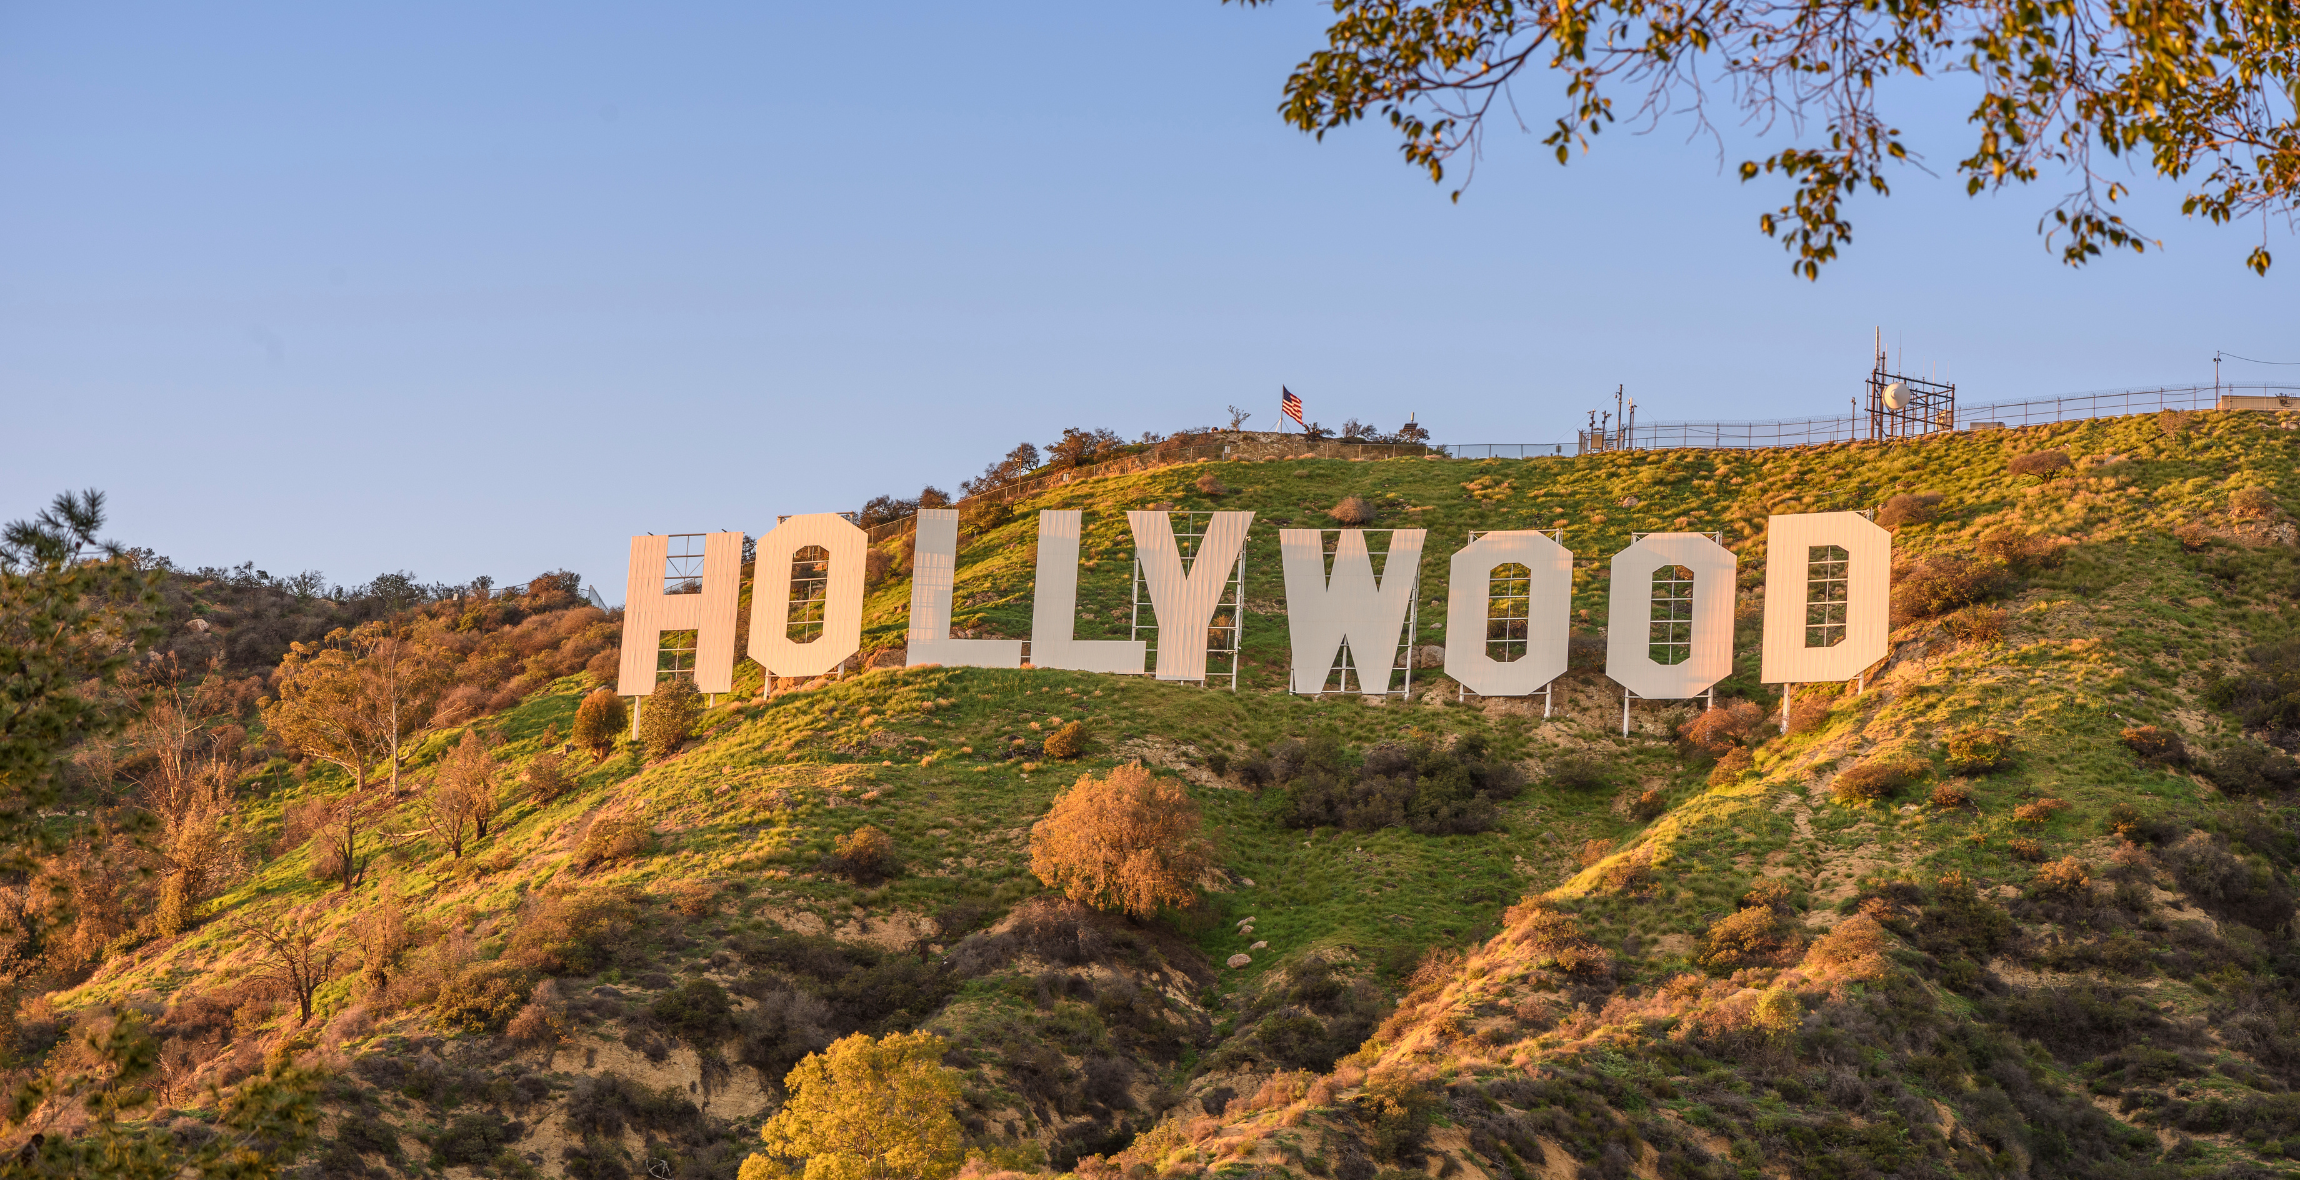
point(864, 856)
point(1437, 790)
point(2016, 549)
point(2040, 465)
point(2252, 502)
point(1875, 780)
point(1934, 586)
point(1732, 766)
point(2067, 877)
point(2265, 695)
point(2156, 747)
point(2037, 811)
point(1909, 508)
point(1977, 625)
point(1727, 727)
point(612, 838)
point(667, 719)
point(2248, 769)
point(1977, 750)
point(1952, 794)
point(1353, 511)
point(1067, 742)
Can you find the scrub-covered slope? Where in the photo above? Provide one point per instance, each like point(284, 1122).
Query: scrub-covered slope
point(1959, 922)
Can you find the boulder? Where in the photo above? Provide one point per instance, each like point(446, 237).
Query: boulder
point(1240, 960)
point(1429, 655)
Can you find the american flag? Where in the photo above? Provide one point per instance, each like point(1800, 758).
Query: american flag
point(1290, 405)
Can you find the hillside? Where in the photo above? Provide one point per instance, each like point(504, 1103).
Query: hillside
point(1871, 946)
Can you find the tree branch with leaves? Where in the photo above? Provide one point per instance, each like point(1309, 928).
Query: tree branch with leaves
point(2201, 92)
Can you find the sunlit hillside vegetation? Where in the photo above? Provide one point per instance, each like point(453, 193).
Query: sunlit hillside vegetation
point(2022, 906)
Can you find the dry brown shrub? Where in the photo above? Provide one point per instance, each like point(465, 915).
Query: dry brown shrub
point(1127, 842)
point(1754, 937)
point(1555, 940)
point(2158, 747)
point(2066, 877)
point(541, 1021)
point(2024, 848)
point(1733, 765)
point(1722, 729)
point(1353, 510)
point(1809, 710)
point(2193, 536)
point(2171, 422)
point(2133, 860)
point(599, 721)
point(2040, 810)
point(1977, 625)
point(1952, 794)
point(1933, 586)
point(1978, 750)
point(1649, 806)
point(877, 564)
point(1628, 874)
point(1438, 965)
point(2040, 465)
point(1874, 780)
point(1284, 1088)
point(2252, 502)
point(1210, 484)
point(1854, 950)
point(1909, 508)
point(1769, 892)
point(1592, 851)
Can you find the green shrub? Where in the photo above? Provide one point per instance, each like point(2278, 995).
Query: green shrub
point(571, 932)
point(1977, 750)
point(599, 722)
point(1937, 585)
point(667, 719)
point(613, 838)
point(699, 1012)
point(482, 998)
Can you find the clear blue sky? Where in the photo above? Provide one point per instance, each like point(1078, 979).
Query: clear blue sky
point(368, 287)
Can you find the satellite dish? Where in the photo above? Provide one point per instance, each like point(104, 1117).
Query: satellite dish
point(1896, 396)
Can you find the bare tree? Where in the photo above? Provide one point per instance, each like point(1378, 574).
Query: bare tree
point(297, 956)
point(348, 830)
point(461, 804)
point(1238, 418)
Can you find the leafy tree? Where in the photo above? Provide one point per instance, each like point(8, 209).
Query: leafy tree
point(74, 612)
point(667, 720)
point(70, 621)
point(599, 720)
point(325, 708)
point(2201, 90)
point(1128, 842)
point(865, 1109)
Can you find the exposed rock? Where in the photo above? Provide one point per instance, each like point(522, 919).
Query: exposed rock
point(1240, 960)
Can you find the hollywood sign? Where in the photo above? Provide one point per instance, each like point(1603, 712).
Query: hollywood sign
point(1826, 590)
